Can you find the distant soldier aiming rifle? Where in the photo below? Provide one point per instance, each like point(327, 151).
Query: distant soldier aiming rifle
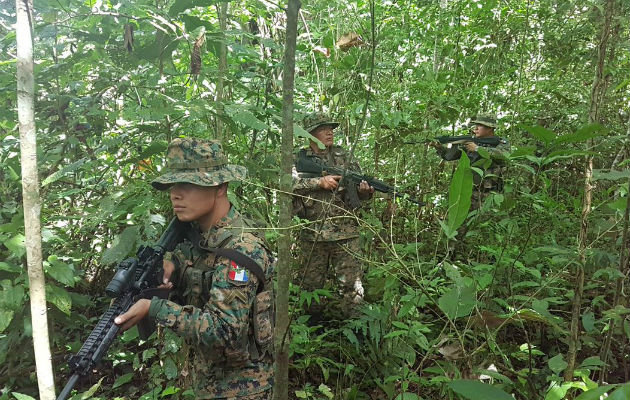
point(450, 148)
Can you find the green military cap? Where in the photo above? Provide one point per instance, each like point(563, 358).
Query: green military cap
point(488, 120)
point(197, 161)
point(315, 120)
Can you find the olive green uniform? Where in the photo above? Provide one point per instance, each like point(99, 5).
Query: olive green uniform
point(329, 245)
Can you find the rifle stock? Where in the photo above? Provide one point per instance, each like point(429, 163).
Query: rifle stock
point(133, 276)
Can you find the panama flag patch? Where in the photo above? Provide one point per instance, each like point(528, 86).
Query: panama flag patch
point(237, 273)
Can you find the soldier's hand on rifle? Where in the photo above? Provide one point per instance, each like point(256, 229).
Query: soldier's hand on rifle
point(329, 182)
point(365, 188)
point(137, 312)
point(168, 268)
point(471, 146)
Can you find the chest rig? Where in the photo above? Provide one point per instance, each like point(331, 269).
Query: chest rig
point(256, 341)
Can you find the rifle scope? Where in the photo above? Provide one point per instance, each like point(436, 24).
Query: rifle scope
point(124, 276)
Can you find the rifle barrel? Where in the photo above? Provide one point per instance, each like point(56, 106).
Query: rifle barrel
point(63, 395)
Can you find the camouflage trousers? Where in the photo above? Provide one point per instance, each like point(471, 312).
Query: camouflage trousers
point(268, 395)
point(333, 265)
point(477, 198)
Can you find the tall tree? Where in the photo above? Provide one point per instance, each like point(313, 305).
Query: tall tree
point(597, 94)
point(281, 390)
point(31, 199)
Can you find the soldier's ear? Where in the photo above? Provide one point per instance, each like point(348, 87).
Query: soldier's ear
point(222, 189)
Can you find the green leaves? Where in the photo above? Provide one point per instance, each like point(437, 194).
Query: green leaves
point(557, 364)
point(458, 301)
point(474, 390)
point(124, 244)
point(59, 297)
point(60, 271)
point(459, 195)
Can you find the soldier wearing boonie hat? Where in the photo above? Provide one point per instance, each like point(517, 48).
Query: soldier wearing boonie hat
point(327, 248)
point(197, 161)
point(483, 126)
point(488, 120)
point(218, 305)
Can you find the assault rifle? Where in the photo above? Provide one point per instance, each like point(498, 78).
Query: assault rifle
point(134, 278)
point(492, 141)
point(308, 167)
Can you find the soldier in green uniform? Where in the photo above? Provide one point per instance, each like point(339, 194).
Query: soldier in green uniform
point(492, 181)
point(328, 246)
point(221, 312)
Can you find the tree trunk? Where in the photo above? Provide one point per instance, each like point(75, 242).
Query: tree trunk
point(281, 390)
point(222, 10)
point(597, 93)
point(31, 200)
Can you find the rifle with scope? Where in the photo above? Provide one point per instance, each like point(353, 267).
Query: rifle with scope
point(134, 278)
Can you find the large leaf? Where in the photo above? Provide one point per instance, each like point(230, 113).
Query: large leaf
point(623, 393)
point(557, 364)
point(457, 302)
point(611, 175)
point(595, 394)
point(474, 390)
point(16, 245)
point(5, 319)
point(11, 297)
point(581, 135)
point(244, 116)
point(68, 169)
point(180, 6)
point(123, 245)
point(59, 297)
point(60, 271)
point(540, 133)
point(459, 194)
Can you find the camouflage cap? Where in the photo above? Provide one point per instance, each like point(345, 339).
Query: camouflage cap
point(316, 120)
point(197, 161)
point(488, 120)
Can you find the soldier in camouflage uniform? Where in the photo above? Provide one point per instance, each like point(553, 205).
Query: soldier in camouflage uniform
point(226, 321)
point(492, 180)
point(329, 246)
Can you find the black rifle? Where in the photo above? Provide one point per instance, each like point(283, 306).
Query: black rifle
point(492, 141)
point(309, 167)
point(134, 278)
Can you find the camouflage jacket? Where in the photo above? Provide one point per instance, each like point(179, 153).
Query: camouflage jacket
point(493, 167)
point(224, 320)
point(311, 202)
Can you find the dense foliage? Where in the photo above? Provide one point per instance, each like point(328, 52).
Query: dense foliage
point(476, 317)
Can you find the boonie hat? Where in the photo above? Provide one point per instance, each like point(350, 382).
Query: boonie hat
point(315, 120)
point(488, 120)
point(197, 161)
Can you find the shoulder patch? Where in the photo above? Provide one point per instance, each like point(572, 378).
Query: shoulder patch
point(238, 273)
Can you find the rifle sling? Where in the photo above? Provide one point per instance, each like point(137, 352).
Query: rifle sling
point(231, 254)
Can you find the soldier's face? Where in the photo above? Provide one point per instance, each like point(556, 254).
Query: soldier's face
point(481, 131)
point(193, 202)
point(325, 134)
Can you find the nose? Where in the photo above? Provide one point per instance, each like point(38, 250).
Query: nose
point(175, 192)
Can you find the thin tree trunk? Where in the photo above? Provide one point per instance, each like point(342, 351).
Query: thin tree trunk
point(31, 200)
point(281, 390)
point(624, 267)
point(597, 94)
point(222, 11)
